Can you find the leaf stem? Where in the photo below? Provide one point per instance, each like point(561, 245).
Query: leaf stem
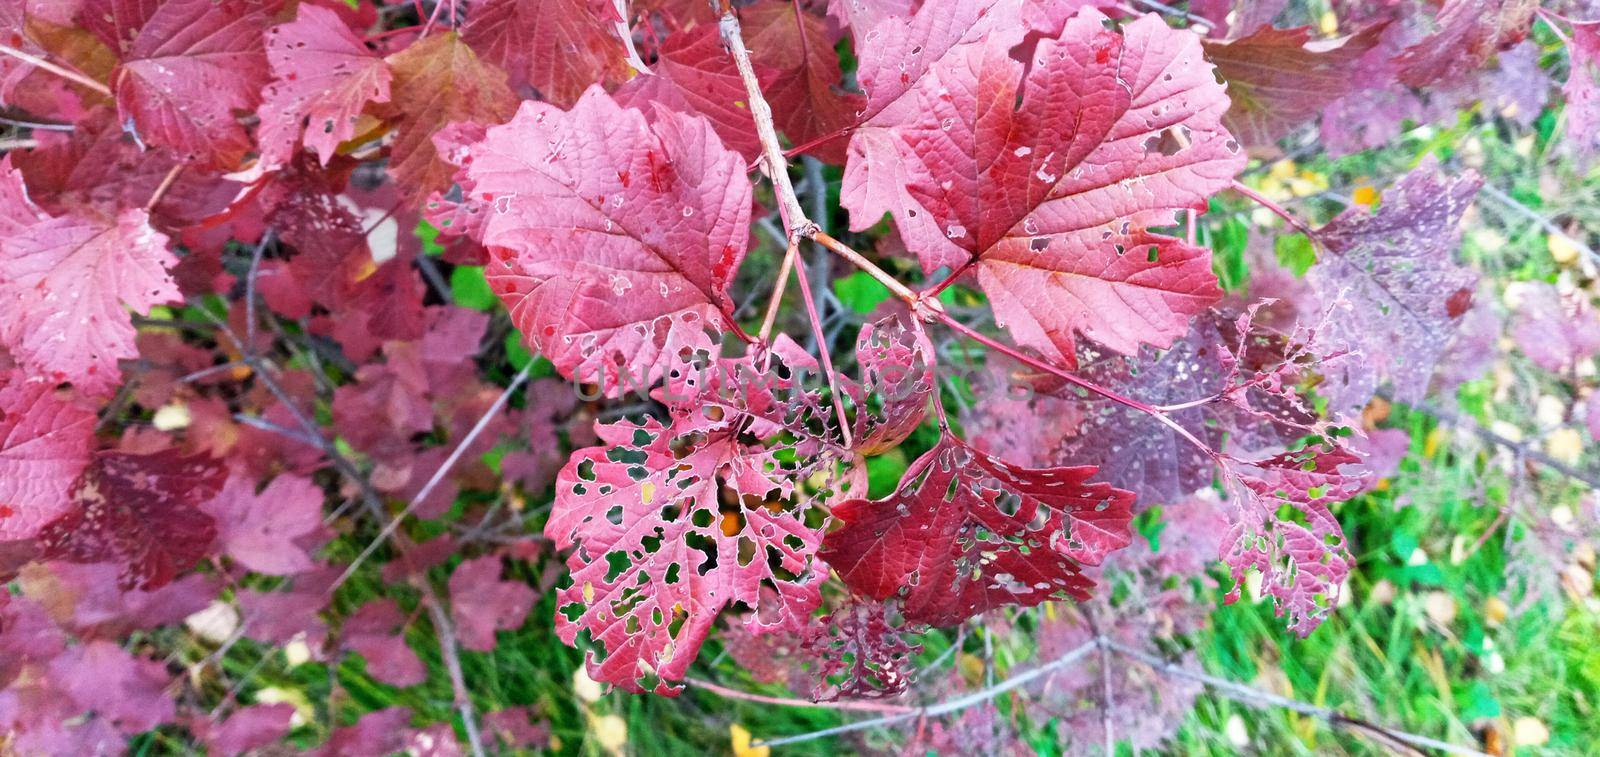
point(1279, 210)
point(883, 277)
point(61, 71)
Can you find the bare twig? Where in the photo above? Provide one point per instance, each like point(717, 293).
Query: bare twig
point(844, 704)
point(1262, 700)
point(825, 352)
point(794, 217)
point(438, 475)
point(61, 71)
point(1516, 447)
point(954, 705)
point(1511, 204)
point(450, 652)
point(23, 143)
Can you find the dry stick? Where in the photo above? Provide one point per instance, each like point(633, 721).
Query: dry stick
point(438, 475)
point(777, 290)
point(954, 705)
point(449, 650)
point(794, 216)
point(161, 189)
point(65, 73)
point(1261, 699)
point(24, 143)
point(1516, 447)
point(855, 705)
point(1511, 204)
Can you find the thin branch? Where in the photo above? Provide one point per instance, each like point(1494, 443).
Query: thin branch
point(438, 475)
point(1277, 209)
point(1200, 21)
point(883, 277)
point(250, 291)
point(853, 705)
point(450, 652)
point(794, 216)
point(954, 705)
point(65, 73)
point(23, 143)
point(22, 123)
point(1516, 447)
point(793, 249)
point(1262, 700)
point(1511, 204)
point(166, 183)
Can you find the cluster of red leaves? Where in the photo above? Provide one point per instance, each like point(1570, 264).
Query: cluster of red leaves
point(264, 162)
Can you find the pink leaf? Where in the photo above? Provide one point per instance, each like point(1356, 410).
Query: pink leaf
point(897, 370)
point(322, 78)
point(265, 532)
point(481, 603)
point(1582, 89)
point(249, 728)
point(193, 64)
point(655, 559)
point(1399, 291)
point(66, 285)
point(966, 533)
point(1303, 557)
point(558, 47)
point(1044, 179)
point(129, 692)
point(377, 633)
point(695, 74)
point(613, 240)
point(140, 511)
point(1279, 79)
point(1469, 33)
point(45, 442)
point(1556, 332)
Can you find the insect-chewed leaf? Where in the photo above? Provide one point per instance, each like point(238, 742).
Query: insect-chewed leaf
point(665, 532)
point(558, 47)
point(1281, 78)
point(966, 533)
point(1582, 89)
point(613, 239)
point(141, 512)
point(322, 78)
point(1401, 293)
point(192, 64)
point(45, 440)
point(1045, 178)
point(439, 80)
point(897, 381)
point(66, 285)
point(1469, 33)
point(1302, 557)
point(860, 651)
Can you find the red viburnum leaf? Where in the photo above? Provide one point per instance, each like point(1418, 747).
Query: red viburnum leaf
point(378, 733)
point(860, 651)
point(323, 75)
point(126, 691)
point(248, 728)
point(654, 558)
point(65, 286)
point(263, 532)
point(439, 80)
point(896, 371)
point(613, 240)
point(695, 74)
point(45, 442)
point(481, 603)
point(191, 66)
point(558, 47)
point(802, 83)
point(377, 633)
point(966, 533)
point(1582, 89)
point(1279, 79)
point(1302, 557)
point(1557, 333)
point(1393, 277)
point(1045, 179)
point(140, 511)
point(1469, 33)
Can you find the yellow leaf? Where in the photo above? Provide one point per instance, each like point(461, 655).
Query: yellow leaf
point(1562, 248)
point(647, 492)
point(741, 743)
point(1328, 24)
point(610, 731)
point(1564, 444)
point(1365, 195)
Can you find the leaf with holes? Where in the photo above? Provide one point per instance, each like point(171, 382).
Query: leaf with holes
point(323, 76)
point(966, 533)
point(141, 512)
point(46, 439)
point(1046, 179)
